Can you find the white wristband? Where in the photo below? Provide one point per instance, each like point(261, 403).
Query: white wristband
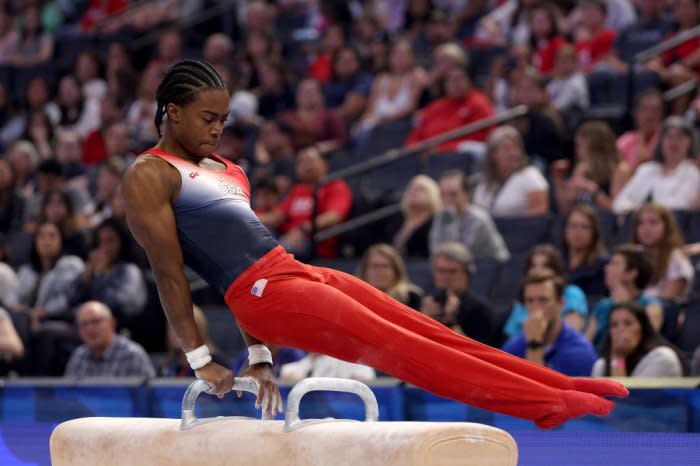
point(198, 357)
point(258, 354)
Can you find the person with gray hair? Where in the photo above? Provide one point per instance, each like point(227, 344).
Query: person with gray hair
point(451, 302)
point(671, 179)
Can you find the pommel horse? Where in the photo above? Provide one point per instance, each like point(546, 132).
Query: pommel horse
point(292, 442)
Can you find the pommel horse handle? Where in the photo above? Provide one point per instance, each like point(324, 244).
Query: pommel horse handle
point(291, 415)
point(189, 420)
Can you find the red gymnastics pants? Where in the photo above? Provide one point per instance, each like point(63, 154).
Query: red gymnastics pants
point(284, 302)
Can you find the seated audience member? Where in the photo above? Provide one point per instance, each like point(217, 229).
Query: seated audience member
point(40, 132)
point(58, 208)
point(504, 71)
point(383, 268)
point(546, 340)
point(175, 363)
point(104, 353)
point(451, 303)
point(12, 202)
point(33, 46)
point(508, 24)
point(655, 229)
point(293, 217)
point(632, 348)
point(11, 346)
point(463, 222)
point(461, 105)
point(94, 147)
point(280, 357)
point(626, 276)
point(598, 175)
point(321, 365)
point(348, 90)
point(509, 186)
point(396, 93)
point(68, 149)
point(274, 94)
point(24, 159)
point(583, 251)
point(266, 196)
point(110, 276)
point(671, 179)
point(638, 146)
point(574, 311)
point(8, 277)
point(142, 111)
point(445, 57)
point(77, 112)
point(545, 39)
point(109, 176)
point(568, 88)
point(312, 122)
point(275, 155)
point(408, 230)
point(594, 38)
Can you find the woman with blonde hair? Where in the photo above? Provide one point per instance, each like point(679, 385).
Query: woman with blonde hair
point(510, 186)
point(656, 230)
point(599, 173)
point(445, 56)
point(409, 230)
point(382, 267)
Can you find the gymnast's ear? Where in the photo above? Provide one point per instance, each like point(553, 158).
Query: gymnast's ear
point(174, 113)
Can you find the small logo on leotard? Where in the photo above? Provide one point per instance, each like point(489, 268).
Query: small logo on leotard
point(258, 287)
point(194, 175)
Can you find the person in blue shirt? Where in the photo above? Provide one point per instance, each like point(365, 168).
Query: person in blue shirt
point(546, 339)
point(574, 311)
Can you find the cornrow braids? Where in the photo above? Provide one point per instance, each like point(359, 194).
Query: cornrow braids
point(181, 84)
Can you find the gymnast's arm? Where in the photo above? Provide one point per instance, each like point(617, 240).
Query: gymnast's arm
point(148, 187)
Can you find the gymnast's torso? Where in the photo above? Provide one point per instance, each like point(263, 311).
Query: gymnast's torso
point(219, 233)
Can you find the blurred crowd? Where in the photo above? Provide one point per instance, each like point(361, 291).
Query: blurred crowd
point(565, 235)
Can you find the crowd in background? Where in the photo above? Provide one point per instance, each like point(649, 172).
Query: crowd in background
point(314, 85)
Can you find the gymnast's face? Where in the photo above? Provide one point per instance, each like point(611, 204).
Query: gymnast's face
point(197, 126)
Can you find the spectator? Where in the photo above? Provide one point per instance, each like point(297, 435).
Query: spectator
point(76, 111)
point(439, 30)
point(175, 363)
point(94, 147)
point(8, 37)
point(142, 111)
point(383, 268)
point(320, 365)
point(237, 143)
point(463, 222)
point(169, 49)
point(110, 276)
point(508, 24)
point(218, 50)
point(379, 54)
point(396, 93)
point(57, 208)
point(599, 173)
point(276, 154)
point(451, 303)
point(68, 151)
point(445, 57)
point(39, 131)
point(461, 105)
point(574, 311)
point(656, 230)
point(626, 276)
point(44, 280)
point(348, 89)
point(8, 278)
point(293, 217)
point(594, 38)
point(332, 42)
point(259, 47)
point(87, 72)
point(583, 251)
point(312, 122)
point(617, 14)
point(671, 179)
point(37, 96)
point(24, 159)
point(568, 89)
point(632, 348)
point(266, 195)
point(104, 353)
point(34, 46)
point(118, 143)
point(12, 203)
point(11, 122)
point(545, 39)
point(409, 230)
point(11, 346)
point(109, 175)
point(505, 70)
point(509, 186)
point(637, 147)
point(274, 94)
point(545, 339)
point(97, 12)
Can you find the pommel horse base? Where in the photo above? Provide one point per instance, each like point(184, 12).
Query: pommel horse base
point(292, 442)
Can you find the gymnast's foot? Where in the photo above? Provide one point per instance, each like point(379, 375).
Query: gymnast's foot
point(601, 387)
point(575, 404)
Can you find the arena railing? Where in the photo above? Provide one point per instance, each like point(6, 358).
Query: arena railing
point(667, 45)
point(392, 156)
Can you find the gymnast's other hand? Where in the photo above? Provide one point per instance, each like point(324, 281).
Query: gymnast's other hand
point(218, 376)
point(269, 398)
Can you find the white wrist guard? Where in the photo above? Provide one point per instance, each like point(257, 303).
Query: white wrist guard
point(198, 357)
point(258, 354)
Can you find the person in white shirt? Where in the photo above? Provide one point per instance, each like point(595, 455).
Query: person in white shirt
point(671, 179)
point(320, 365)
point(568, 89)
point(509, 185)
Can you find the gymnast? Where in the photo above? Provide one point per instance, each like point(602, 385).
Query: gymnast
point(187, 205)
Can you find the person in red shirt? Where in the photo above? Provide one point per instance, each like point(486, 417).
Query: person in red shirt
point(461, 105)
point(545, 38)
point(98, 11)
point(334, 40)
point(593, 41)
point(293, 217)
point(94, 147)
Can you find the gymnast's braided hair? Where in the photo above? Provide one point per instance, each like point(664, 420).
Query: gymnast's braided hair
point(181, 84)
